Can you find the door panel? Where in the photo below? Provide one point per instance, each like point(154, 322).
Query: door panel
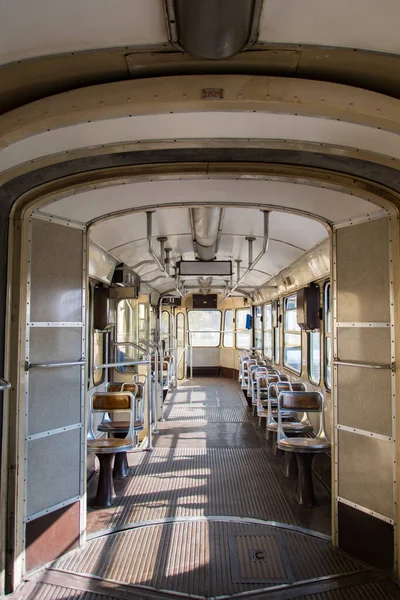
point(54, 395)
point(364, 387)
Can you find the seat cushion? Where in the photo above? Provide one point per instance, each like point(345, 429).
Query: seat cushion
point(302, 444)
point(109, 446)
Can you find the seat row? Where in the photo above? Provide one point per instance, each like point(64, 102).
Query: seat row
point(119, 400)
point(282, 408)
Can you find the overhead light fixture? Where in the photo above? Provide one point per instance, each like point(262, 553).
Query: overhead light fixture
point(213, 29)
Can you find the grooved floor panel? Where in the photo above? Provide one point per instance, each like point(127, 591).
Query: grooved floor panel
point(183, 482)
point(194, 557)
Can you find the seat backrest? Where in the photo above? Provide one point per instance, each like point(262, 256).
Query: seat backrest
point(299, 386)
point(112, 402)
point(301, 401)
point(114, 386)
point(284, 377)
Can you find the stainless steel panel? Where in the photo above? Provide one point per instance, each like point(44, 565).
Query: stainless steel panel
point(56, 272)
point(58, 344)
point(364, 345)
point(206, 357)
point(366, 472)
point(363, 272)
point(54, 398)
point(364, 399)
point(53, 470)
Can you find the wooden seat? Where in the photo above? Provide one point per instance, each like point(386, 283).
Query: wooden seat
point(107, 449)
point(291, 427)
point(304, 447)
point(120, 428)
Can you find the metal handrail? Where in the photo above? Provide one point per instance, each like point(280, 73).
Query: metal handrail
point(348, 363)
point(152, 345)
point(54, 365)
point(149, 387)
point(125, 363)
point(4, 385)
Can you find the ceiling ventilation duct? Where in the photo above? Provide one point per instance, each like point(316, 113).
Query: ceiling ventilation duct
point(213, 29)
point(206, 229)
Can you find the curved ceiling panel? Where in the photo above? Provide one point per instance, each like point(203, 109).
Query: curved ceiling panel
point(327, 204)
point(367, 24)
point(31, 29)
point(201, 125)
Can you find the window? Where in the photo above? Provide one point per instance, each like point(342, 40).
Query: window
point(165, 329)
point(98, 357)
point(314, 355)
point(127, 331)
point(243, 335)
point(204, 328)
point(277, 340)
point(291, 335)
point(267, 322)
point(327, 335)
point(258, 328)
point(180, 341)
point(227, 341)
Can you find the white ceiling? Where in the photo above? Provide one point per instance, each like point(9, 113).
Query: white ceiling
point(30, 28)
point(290, 235)
point(201, 125)
point(366, 24)
point(327, 204)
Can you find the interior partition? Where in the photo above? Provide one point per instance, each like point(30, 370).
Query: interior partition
point(364, 379)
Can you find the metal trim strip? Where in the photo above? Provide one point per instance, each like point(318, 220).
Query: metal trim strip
point(55, 324)
point(362, 324)
point(51, 509)
point(42, 434)
point(369, 434)
point(366, 510)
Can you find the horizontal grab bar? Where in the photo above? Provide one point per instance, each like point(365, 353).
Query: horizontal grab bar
point(4, 385)
point(348, 363)
point(54, 365)
point(126, 363)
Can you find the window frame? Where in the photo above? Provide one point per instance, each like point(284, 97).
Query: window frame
point(277, 334)
point(309, 357)
point(132, 368)
point(266, 330)
point(258, 319)
point(291, 332)
point(197, 310)
point(327, 323)
point(249, 310)
point(227, 332)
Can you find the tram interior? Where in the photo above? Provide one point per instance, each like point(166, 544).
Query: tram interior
point(199, 299)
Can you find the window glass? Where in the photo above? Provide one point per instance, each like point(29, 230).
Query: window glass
point(98, 357)
point(243, 335)
point(291, 335)
point(204, 328)
point(165, 329)
point(267, 321)
point(327, 335)
point(127, 331)
point(258, 328)
point(314, 356)
point(180, 337)
point(228, 329)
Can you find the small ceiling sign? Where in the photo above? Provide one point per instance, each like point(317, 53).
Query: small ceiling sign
point(212, 94)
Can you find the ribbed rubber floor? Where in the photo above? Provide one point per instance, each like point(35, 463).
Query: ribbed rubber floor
point(196, 557)
point(207, 403)
point(182, 482)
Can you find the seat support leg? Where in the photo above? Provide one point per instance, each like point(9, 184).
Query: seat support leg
point(121, 467)
point(105, 489)
point(305, 489)
point(275, 450)
point(289, 468)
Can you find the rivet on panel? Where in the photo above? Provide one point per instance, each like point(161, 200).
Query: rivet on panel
point(267, 95)
point(128, 99)
point(323, 100)
point(21, 121)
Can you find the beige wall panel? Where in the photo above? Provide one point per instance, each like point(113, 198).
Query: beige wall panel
point(228, 358)
point(363, 272)
point(366, 472)
point(56, 278)
point(370, 345)
point(364, 399)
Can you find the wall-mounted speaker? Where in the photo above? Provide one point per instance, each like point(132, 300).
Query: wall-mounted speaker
point(308, 313)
